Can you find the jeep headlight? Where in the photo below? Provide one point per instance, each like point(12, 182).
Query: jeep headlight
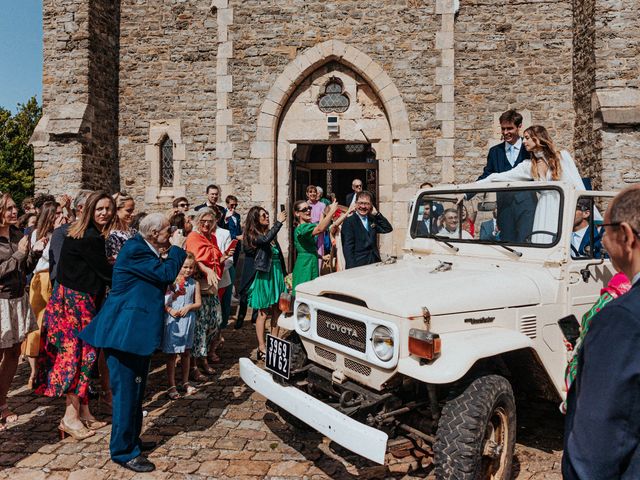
point(382, 341)
point(303, 317)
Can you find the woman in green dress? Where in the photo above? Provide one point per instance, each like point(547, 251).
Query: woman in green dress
point(305, 241)
point(269, 267)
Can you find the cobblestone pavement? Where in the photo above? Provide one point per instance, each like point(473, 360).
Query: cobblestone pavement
point(226, 431)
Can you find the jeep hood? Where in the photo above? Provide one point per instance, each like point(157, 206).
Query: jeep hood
point(403, 288)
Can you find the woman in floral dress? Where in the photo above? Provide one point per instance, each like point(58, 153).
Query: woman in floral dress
point(84, 273)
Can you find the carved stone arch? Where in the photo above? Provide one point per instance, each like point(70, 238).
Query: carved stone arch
point(273, 184)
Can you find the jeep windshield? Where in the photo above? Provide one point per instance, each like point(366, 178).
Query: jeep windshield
point(524, 216)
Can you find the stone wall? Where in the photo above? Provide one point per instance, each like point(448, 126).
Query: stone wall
point(75, 143)
point(398, 36)
point(167, 80)
point(510, 55)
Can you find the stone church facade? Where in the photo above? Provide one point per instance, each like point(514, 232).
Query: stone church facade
point(159, 98)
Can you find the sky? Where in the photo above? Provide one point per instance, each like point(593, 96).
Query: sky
point(20, 52)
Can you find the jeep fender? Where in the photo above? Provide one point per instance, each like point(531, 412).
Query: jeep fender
point(460, 351)
point(286, 322)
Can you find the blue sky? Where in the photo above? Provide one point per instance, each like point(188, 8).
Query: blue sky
point(20, 52)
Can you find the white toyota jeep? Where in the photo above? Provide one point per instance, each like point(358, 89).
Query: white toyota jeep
point(429, 348)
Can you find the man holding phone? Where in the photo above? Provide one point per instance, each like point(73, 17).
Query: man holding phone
point(602, 428)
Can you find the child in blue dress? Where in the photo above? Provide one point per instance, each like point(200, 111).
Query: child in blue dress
point(181, 302)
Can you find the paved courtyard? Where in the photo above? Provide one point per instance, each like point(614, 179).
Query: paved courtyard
point(227, 431)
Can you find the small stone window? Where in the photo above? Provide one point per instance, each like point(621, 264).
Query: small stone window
point(333, 100)
point(354, 147)
point(166, 163)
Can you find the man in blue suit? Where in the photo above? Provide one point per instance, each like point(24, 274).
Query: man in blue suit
point(489, 230)
point(602, 428)
point(582, 245)
point(129, 328)
point(515, 210)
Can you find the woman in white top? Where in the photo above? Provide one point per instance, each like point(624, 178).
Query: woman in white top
point(546, 164)
point(51, 217)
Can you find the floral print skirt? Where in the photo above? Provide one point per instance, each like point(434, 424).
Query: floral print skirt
point(65, 361)
point(208, 320)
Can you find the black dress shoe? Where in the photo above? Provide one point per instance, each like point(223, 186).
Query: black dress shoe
point(140, 464)
point(146, 446)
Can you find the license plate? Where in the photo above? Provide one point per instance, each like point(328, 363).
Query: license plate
point(278, 359)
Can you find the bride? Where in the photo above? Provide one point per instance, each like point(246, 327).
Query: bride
point(546, 164)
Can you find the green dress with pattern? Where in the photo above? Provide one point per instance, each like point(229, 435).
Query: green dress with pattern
point(267, 286)
point(306, 267)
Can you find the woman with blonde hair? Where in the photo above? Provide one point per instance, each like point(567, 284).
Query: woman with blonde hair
point(17, 258)
point(545, 165)
point(121, 230)
point(51, 217)
point(84, 273)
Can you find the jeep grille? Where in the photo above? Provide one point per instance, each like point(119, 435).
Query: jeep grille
point(342, 330)
point(357, 367)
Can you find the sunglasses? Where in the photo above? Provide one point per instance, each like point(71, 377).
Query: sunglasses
point(307, 209)
point(232, 205)
point(183, 205)
point(210, 222)
point(617, 224)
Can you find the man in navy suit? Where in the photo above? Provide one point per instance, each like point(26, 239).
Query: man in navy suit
point(515, 210)
point(581, 241)
point(602, 428)
point(129, 328)
point(360, 233)
point(356, 186)
point(489, 230)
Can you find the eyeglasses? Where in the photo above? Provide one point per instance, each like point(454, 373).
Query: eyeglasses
point(356, 186)
point(232, 205)
point(306, 209)
point(364, 204)
point(183, 205)
point(617, 224)
point(210, 222)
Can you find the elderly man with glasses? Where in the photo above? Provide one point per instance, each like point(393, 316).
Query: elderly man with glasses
point(602, 428)
point(356, 186)
point(129, 328)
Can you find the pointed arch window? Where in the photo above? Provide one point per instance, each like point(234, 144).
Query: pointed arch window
point(166, 162)
point(333, 100)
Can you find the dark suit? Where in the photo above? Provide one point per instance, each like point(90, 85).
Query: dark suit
point(360, 247)
point(129, 327)
point(602, 428)
point(486, 231)
point(350, 198)
point(515, 210)
point(585, 249)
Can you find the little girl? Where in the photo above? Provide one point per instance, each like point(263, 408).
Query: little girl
point(181, 302)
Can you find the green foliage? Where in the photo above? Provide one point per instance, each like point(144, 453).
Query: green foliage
point(16, 155)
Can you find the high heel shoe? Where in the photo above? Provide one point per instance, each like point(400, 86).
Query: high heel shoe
point(260, 355)
point(76, 433)
point(93, 424)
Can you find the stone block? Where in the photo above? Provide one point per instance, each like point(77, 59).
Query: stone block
point(444, 40)
point(447, 57)
point(224, 149)
point(224, 83)
point(448, 170)
point(224, 117)
point(448, 22)
point(266, 120)
point(225, 49)
point(372, 71)
point(400, 166)
point(222, 66)
point(261, 192)
point(448, 93)
point(225, 16)
point(446, 6)
point(448, 129)
point(445, 147)
point(271, 108)
point(444, 76)
point(262, 150)
point(445, 111)
point(218, 4)
point(404, 148)
point(222, 172)
point(618, 106)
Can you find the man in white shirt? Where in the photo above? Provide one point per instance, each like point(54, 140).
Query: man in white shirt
point(581, 245)
point(451, 226)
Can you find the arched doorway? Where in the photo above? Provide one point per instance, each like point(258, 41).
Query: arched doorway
point(290, 120)
point(333, 130)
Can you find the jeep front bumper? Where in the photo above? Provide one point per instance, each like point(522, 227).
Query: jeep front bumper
point(352, 435)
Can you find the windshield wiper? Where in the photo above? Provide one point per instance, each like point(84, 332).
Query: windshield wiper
point(509, 249)
point(439, 238)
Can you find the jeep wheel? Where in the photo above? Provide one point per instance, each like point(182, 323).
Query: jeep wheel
point(476, 432)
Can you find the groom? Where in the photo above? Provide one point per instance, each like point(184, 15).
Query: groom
point(515, 210)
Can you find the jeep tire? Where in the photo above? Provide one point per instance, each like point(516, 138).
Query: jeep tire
point(476, 432)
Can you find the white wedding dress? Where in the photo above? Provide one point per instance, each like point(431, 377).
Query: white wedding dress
point(548, 207)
